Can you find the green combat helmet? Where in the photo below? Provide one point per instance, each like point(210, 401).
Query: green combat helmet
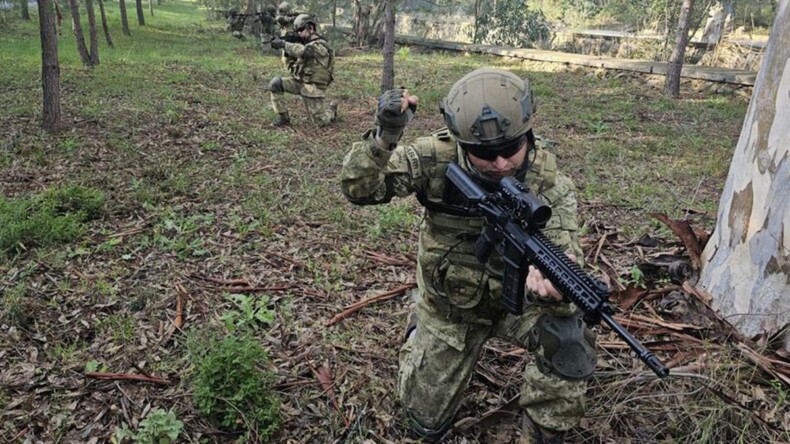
point(489, 111)
point(303, 20)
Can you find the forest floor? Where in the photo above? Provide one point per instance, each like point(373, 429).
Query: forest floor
point(217, 221)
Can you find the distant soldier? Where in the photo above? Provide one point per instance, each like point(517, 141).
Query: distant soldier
point(311, 73)
point(285, 17)
point(267, 19)
point(236, 22)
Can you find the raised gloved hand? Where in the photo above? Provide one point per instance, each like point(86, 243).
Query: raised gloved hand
point(395, 109)
point(278, 43)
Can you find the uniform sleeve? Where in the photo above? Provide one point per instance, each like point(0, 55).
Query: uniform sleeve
point(294, 50)
point(372, 175)
point(563, 227)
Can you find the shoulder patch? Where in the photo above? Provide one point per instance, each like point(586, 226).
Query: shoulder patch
point(413, 158)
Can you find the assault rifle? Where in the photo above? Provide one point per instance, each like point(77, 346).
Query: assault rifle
point(290, 37)
point(514, 217)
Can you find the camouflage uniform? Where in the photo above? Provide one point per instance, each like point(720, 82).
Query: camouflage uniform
point(458, 308)
point(311, 68)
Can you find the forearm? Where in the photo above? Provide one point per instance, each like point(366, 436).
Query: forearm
point(373, 175)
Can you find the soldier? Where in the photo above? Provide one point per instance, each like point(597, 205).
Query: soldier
point(285, 17)
point(488, 115)
point(311, 64)
point(236, 22)
point(267, 19)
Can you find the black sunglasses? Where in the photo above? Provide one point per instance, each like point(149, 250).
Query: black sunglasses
point(490, 153)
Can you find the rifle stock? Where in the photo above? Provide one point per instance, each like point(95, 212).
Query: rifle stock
point(514, 217)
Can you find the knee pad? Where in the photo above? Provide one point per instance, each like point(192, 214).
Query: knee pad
point(568, 346)
point(276, 85)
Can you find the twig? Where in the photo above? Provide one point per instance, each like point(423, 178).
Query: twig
point(248, 289)
point(222, 281)
point(353, 308)
point(127, 232)
point(127, 377)
point(327, 383)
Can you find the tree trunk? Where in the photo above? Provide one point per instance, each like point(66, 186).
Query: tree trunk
point(50, 69)
point(140, 13)
point(104, 26)
point(334, 14)
point(477, 22)
point(151, 7)
point(714, 26)
point(25, 10)
point(93, 35)
point(76, 26)
point(746, 263)
point(675, 65)
point(388, 50)
point(124, 18)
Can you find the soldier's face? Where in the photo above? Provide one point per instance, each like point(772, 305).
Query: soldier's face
point(501, 166)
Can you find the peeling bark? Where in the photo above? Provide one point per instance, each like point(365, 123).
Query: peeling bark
point(746, 264)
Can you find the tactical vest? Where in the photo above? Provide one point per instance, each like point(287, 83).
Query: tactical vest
point(446, 223)
point(312, 69)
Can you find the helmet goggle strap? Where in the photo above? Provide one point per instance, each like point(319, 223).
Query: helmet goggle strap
point(490, 153)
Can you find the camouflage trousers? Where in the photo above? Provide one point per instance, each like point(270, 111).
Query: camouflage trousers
point(312, 96)
point(437, 362)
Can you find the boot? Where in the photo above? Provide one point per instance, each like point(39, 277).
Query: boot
point(532, 433)
point(282, 120)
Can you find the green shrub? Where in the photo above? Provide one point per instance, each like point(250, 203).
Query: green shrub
point(56, 216)
point(510, 23)
point(159, 427)
point(233, 390)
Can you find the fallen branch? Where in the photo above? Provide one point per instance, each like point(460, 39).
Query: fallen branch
point(353, 308)
point(127, 377)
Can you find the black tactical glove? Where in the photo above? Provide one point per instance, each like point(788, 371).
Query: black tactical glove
point(390, 119)
point(278, 43)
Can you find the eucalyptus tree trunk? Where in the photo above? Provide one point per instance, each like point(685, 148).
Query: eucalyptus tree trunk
point(140, 12)
point(76, 26)
point(477, 22)
point(93, 34)
point(50, 69)
point(675, 65)
point(388, 50)
point(746, 263)
point(714, 26)
point(104, 26)
point(25, 10)
point(124, 18)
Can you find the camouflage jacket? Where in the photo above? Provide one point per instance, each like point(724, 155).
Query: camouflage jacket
point(448, 271)
point(313, 62)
